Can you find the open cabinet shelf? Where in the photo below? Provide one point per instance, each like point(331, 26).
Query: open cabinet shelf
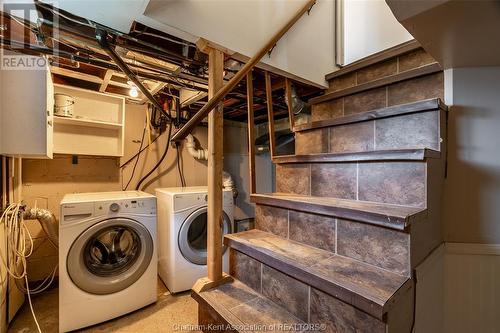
point(86, 123)
point(97, 125)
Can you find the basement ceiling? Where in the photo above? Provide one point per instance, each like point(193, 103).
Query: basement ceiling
point(167, 65)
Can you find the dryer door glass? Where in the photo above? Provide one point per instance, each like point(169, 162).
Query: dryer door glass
point(193, 236)
point(110, 256)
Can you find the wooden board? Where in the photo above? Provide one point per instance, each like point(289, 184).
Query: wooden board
point(251, 134)
point(270, 115)
point(288, 91)
point(215, 162)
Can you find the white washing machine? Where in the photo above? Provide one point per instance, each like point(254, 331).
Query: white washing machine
point(182, 235)
point(107, 256)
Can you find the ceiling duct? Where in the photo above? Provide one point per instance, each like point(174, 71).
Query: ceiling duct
point(298, 105)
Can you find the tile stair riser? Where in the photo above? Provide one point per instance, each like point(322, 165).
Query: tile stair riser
point(411, 90)
point(378, 246)
point(390, 182)
point(306, 301)
point(409, 131)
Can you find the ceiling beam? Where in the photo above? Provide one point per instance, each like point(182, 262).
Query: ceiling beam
point(155, 90)
point(106, 80)
point(76, 75)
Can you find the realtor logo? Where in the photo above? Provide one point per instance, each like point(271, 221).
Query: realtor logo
point(20, 36)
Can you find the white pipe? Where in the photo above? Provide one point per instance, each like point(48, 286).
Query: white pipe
point(199, 154)
point(202, 154)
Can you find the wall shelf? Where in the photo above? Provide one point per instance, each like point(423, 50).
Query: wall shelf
point(86, 123)
point(96, 128)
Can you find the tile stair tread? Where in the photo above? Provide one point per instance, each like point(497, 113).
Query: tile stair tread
point(244, 309)
point(374, 155)
point(386, 215)
point(366, 287)
point(391, 111)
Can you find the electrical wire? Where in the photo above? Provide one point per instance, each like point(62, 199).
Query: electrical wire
point(31, 305)
point(179, 167)
point(140, 152)
point(138, 156)
point(19, 247)
point(167, 145)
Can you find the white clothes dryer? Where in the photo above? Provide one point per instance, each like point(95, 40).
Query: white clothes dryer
point(182, 234)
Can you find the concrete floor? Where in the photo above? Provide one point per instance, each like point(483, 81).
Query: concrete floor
point(162, 317)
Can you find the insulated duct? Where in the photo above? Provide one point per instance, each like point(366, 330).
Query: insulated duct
point(47, 220)
point(298, 105)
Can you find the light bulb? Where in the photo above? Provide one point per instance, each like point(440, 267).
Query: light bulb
point(133, 92)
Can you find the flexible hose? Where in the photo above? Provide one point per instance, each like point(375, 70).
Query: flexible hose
point(167, 144)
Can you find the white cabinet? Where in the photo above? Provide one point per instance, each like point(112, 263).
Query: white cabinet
point(26, 107)
point(97, 125)
point(29, 129)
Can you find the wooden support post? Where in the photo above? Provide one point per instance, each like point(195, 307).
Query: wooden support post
point(4, 182)
point(288, 91)
point(270, 114)
point(251, 134)
point(215, 160)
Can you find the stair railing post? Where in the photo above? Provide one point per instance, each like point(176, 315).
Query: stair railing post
point(215, 160)
point(251, 133)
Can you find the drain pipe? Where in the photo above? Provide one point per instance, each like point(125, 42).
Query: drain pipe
point(199, 154)
point(48, 222)
point(202, 154)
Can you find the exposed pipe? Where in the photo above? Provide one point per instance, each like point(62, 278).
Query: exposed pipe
point(202, 154)
point(47, 220)
point(102, 38)
point(298, 105)
point(197, 153)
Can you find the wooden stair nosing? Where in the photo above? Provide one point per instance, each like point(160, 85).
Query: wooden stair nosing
point(409, 74)
point(375, 307)
point(391, 111)
point(366, 156)
point(394, 221)
point(375, 58)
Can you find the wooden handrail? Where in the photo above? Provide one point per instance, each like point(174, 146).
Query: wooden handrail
point(214, 101)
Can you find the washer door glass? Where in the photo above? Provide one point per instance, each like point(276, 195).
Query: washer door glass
point(110, 256)
point(193, 236)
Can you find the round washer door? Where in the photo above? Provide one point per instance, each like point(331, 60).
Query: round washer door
point(110, 256)
point(193, 236)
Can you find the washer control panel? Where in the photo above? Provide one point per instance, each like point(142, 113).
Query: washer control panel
point(135, 206)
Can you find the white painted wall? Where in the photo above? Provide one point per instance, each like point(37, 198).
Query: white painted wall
point(370, 27)
point(244, 26)
point(458, 290)
point(472, 189)
point(472, 288)
point(460, 293)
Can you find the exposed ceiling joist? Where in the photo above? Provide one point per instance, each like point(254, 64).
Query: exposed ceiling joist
point(106, 80)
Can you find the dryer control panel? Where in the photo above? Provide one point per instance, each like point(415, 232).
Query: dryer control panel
point(188, 201)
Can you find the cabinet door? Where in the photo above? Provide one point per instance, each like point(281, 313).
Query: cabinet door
point(27, 103)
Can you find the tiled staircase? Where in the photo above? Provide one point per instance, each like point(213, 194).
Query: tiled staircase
point(356, 209)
